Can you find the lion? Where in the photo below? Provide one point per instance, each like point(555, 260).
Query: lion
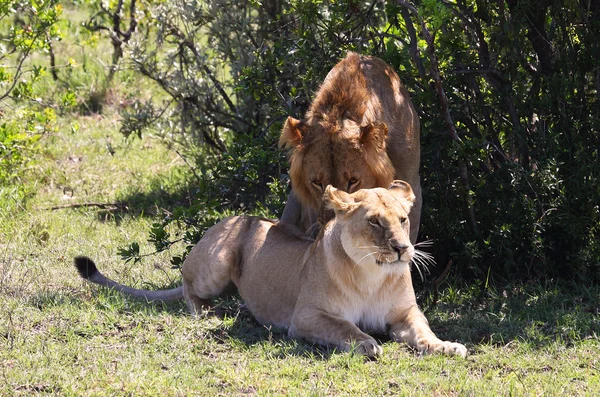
point(361, 131)
point(353, 279)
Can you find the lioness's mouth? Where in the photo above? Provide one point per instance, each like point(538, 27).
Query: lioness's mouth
point(387, 259)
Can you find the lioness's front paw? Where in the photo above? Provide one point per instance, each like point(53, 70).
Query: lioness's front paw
point(444, 347)
point(368, 348)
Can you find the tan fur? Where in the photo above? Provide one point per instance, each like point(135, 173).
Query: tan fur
point(360, 132)
point(354, 278)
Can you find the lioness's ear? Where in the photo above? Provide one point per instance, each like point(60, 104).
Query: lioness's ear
point(373, 136)
point(338, 200)
point(403, 192)
point(291, 133)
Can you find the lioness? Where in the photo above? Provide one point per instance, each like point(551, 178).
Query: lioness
point(361, 131)
point(354, 278)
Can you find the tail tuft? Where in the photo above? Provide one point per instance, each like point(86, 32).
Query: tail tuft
point(85, 266)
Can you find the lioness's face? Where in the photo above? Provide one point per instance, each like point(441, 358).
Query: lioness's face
point(375, 223)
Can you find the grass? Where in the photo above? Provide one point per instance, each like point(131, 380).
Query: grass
point(62, 336)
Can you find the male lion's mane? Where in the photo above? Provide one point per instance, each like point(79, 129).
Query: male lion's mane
point(344, 95)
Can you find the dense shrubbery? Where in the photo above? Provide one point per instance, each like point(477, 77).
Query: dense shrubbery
point(508, 94)
point(509, 168)
point(32, 29)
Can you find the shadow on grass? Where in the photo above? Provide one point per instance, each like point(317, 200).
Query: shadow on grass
point(237, 325)
point(157, 201)
point(536, 315)
point(107, 300)
point(240, 327)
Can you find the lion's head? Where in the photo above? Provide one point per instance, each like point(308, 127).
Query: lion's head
point(338, 152)
point(375, 224)
point(335, 144)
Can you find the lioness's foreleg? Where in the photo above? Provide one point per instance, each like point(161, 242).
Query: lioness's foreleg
point(327, 329)
point(412, 328)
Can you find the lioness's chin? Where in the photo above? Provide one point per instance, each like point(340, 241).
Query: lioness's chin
point(390, 262)
point(397, 263)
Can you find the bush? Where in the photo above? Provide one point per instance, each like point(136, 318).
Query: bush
point(33, 29)
point(508, 95)
point(18, 146)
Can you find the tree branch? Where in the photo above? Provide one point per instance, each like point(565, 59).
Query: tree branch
point(24, 55)
point(435, 74)
point(414, 50)
point(79, 205)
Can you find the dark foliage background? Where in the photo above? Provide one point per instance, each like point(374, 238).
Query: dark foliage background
point(508, 93)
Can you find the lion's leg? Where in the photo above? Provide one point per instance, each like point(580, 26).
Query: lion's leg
point(412, 328)
point(415, 213)
point(298, 215)
point(292, 210)
point(324, 328)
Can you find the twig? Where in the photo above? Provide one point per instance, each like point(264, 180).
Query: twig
point(78, 205)
point(264, 131)
point(192, 168)
point(17, 74)
point(53, 70)
point(438, 281)
point(414, 50)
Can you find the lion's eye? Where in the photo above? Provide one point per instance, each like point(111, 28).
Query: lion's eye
point(403, 220)
point(318, 184)
point(374, 222)
point(352, 183)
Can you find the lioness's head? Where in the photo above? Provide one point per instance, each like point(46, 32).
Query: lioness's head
point(375, 225)
point(336, 152)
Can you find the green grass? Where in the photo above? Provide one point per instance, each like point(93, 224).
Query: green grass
point(62, 336)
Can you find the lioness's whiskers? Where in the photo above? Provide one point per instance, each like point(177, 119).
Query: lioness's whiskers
point(425, 243)
point(424, 263)
point(420, 265)
point(425, 257)
point(418, 269)
point(423, 260)
point(369, 254)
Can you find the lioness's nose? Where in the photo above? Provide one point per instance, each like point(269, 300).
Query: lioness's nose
point(398, 247)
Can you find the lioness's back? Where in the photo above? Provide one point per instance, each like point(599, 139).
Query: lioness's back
point(262, 259)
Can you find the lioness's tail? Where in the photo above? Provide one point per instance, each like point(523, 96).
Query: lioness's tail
point(88, 270)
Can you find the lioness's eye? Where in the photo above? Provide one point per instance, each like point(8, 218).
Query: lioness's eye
point(403, 220)
point(374, 222)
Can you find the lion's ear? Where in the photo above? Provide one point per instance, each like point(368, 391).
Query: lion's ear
point(374, 135)
point(403, 192)
point(292, 133)
point(338, 200)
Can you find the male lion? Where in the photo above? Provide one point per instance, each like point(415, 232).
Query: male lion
point(360, 132)
point(355, 277)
